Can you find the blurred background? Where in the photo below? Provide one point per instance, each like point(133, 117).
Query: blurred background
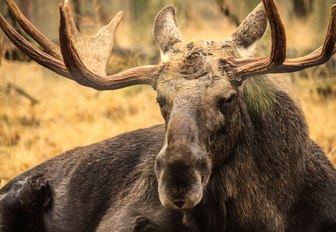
point(43, 114)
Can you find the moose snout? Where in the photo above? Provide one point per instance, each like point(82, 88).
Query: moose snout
point(181, 177)
point(183, 192)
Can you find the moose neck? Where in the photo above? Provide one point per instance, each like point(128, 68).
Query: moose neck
point(266, 163)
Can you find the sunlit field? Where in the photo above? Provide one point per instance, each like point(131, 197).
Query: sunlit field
point(66, 115)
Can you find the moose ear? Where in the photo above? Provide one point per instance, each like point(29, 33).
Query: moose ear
point(165, 31)
point(252, 28)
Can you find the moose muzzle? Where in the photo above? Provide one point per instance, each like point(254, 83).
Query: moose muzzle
point(182, 166)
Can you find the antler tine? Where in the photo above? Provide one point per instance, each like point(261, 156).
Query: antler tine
point(26, 47)
point(32, 31)
point(277, 63)
point(330, 40)
point(77, 66)
point(278, 51)
point(86, 66)
point(93, 51)
point(320, 55)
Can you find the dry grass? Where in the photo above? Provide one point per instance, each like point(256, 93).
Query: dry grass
point(66, 116)
point(320, 115)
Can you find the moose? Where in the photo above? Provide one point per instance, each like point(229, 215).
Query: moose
point(234, 153)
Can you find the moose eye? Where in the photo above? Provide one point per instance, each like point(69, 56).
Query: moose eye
point(231, 99)
point(163, 106)
point(227, 101)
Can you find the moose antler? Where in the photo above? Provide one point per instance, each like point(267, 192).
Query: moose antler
point(79, 58)
point(277, 62)
point(84, 59)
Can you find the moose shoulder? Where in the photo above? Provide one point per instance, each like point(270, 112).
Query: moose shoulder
point(234, 153)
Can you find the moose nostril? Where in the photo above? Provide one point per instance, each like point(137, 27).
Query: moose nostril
point(179, 204)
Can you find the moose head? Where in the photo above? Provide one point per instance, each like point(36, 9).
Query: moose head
point(200, 96)
point(200, 105)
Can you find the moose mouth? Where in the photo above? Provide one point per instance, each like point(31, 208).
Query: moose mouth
point(180, 184)
point(180, 204)
point(187, 202)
